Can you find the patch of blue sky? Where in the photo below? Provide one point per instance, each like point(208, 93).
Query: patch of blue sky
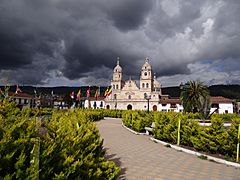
point(215, 65)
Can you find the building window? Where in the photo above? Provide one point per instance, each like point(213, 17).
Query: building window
point(115, 96)
point(147, 85)
point(117, 86)
point(25, 101)
point(145, 74)
point(19, 101)
point(101, 104)
point(129, 97)
point(143, 85)
point(226, 111)
point(173, 106)
point(113, 86)
point(164, 104)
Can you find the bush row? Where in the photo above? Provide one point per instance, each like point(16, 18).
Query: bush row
point(213, 139)
point(66, 145)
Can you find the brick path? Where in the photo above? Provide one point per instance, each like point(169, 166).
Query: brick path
point(142, 159)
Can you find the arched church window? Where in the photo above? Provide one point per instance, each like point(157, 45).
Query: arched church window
point(115, 96)
point(147, 85)
point(117, 86)
point(145, 74)
point(113, 86)
point(143, 85)
point(129, 97)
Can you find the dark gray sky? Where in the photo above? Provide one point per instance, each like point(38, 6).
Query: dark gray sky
point(77, 42)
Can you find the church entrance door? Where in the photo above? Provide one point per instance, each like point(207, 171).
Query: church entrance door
point(154, 108)
point(129, 107)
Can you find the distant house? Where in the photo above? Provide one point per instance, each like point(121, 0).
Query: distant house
point(59, 103)
point(98, 103)
point(170, 105)
point(219, 105)
point(23, 100)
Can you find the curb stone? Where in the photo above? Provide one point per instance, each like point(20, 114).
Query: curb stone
point(132, 131)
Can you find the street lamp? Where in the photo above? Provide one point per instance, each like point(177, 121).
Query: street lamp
point(147, 97)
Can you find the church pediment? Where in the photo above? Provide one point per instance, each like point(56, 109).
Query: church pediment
point(130, 86)
point(129, 93)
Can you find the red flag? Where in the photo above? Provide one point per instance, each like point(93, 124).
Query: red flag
point(72, 95)
point(88, 92)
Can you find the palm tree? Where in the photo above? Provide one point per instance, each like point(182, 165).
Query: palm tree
point(195, 97)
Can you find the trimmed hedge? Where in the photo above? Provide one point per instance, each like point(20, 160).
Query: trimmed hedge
point(66, 144)
point(112, 113)
point(137, 120)
point(213, 139)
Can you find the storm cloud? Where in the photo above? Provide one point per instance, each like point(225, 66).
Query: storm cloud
point(76, 42)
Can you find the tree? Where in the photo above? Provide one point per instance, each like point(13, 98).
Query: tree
point(195, 98)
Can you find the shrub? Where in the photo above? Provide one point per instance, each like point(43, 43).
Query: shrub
point(213, 139)
point(70, 145)
point(137, 120)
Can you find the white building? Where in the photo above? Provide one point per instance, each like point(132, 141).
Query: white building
point(170, 105)
point(221, 105)
point(98, 103)
point(128, 95)
point(23, 100)
point(148, 95)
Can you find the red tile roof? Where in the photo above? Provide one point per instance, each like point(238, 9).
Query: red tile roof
point(220, 99)
point(214, 99)
point(170, 101)
point(98, 99)
point(20, 95)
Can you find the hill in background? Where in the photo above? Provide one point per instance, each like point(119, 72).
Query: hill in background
point(228, 91)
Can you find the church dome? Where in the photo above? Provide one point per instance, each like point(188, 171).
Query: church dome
point(117, 68)
point(146, 65)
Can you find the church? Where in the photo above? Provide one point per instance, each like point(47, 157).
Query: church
point(127, 95)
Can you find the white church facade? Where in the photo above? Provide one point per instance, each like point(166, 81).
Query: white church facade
point(128, 95)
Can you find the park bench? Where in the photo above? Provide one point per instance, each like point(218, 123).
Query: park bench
point(149, 130)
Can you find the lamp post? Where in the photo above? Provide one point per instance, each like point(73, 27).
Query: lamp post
point(147, 97)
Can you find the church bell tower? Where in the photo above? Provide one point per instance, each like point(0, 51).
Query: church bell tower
point(146, 78)
point(117, 82)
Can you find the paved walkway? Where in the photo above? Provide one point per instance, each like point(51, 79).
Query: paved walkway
point(142, 159)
